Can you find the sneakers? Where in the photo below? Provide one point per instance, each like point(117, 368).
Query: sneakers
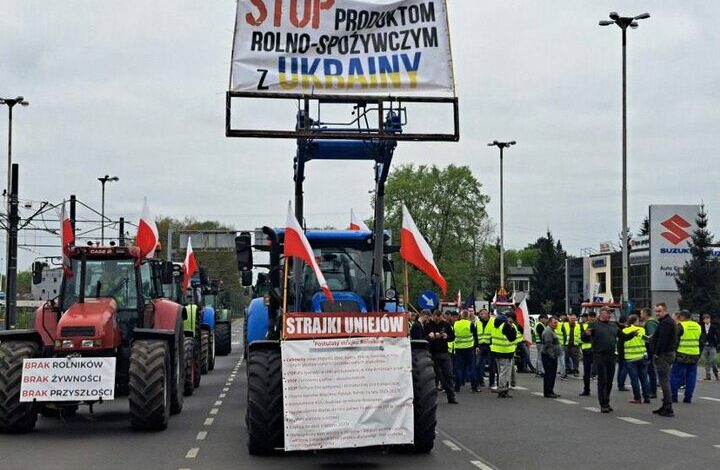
point(646, 401)
point(666, 413)
point(452, 401)
point(635, 402)
point(659, 410)
point(584, 394)
point(476, 390)
point(552, 395)
point(605, 409)
point(563, 377)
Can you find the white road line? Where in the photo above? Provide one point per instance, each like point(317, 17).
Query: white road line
point(201, 436)
point(222, 395)
point(677, 433)
point(209, 421)
point(236, 343)
point(192, 453)
point(466, 449)
point(592, 408)
point(451, 445)
point(214, 411)
point(567, 402)
point(717, 446)
point(218, 403)
point(538, 394)
point(631, 420)
point(480, 465)
point(227, 384)
point(226, 389)
point(518, 387)
point(709, 398)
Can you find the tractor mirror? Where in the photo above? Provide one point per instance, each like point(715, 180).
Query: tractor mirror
point(37, 271)
point(243, 252)
point(167, 272)
point(246, 278)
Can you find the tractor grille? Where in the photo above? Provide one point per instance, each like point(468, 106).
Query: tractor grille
point(77, 331)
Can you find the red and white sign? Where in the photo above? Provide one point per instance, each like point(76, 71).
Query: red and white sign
point(345, 325)
point(68, 379)
point(347, 392)
point(670, 229)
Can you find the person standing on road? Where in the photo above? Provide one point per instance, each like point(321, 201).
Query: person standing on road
point(417, 330)
point(503, 348)
point(663, 344)
point(687, 355)
point(562, 360)
point(550, 352)
point(710, 341)
point(482, 354)
point(604, 336)
point(539, 328)
point(621, 370)
point(587, 358)
point(571, 331)
point(465, 342)
point(650, 323)
point(636, 360)
point(439, 333)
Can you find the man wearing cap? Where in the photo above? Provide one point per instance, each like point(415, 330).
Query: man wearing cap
point(438, 334)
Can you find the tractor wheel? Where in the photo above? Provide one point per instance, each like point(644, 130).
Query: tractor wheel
point(196, 363)
point(424, 401)
point(150, 385)
point(190, 363)
point(223, 339)
point(15, 417)
point(211, 355)
point(245, 341)
point(265, 420)
point(204, 351)
point(178, 376)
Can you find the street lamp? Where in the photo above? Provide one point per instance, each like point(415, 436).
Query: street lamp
point(104, 180)
point(501, 146)
point(11, 237)
point(624, 22)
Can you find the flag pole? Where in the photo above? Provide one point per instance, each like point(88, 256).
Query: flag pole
point(285, 296)
point(407, 286)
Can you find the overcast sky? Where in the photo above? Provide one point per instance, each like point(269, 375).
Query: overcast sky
point(135, 88)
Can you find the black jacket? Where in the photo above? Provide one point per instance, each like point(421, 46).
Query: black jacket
point(439, 345)
point(665, 339)
point(417, 331)
point(712, 338)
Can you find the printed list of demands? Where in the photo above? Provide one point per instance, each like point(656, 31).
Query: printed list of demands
point(338, 397)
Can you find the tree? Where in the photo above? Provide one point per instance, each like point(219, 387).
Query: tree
point(699, 280)
point(449, 209)
point(547, 283)
point(645, 227)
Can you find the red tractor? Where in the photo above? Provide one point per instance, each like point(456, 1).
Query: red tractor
point(110, 307)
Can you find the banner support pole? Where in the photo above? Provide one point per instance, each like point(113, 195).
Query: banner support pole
point(407, 286)
point(285, 296)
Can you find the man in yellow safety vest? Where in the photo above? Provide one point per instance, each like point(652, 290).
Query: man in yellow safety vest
point(503, 348)
point(636, 360)
point(687, 354)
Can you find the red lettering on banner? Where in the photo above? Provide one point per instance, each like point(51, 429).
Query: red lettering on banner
point(35, 380)
point(311, 10)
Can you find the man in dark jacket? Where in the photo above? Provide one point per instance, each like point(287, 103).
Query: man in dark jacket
point(417, 330)
point(438, 332)
point(709, 342)
point(663, 344)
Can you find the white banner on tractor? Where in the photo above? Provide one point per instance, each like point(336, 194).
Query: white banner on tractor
point(68, 379)
point(343, 47)
point(347, 392)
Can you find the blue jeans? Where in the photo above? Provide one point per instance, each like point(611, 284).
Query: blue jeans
point(621, 373)
point(483, 359)
point(637, 370)
point(683, 374)
point(465, 368)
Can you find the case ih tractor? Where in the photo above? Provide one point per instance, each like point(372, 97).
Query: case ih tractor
point(110, 307)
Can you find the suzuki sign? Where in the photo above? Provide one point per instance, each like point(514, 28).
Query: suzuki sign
point(671, 227)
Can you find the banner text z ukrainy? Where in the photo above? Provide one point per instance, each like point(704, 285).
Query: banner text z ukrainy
point(342, 47)
point(345, 325)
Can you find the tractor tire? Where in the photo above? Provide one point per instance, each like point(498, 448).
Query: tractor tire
point(190, 370)
point(178, 376)
point(424, 401)
point(223, 339)
point(211, 349)
point(150, 385)
point(15, 417)
point(196, 363)
point(265, 419)
point(204, 351)
point(245, 341)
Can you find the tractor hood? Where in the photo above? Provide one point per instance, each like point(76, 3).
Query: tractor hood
point(92, 318)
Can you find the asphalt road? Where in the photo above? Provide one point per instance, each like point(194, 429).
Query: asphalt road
point(527, 431)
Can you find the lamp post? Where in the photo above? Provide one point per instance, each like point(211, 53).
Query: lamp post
point(104, 180)
point(623, 23)
point(11, 268)
point(501, 146)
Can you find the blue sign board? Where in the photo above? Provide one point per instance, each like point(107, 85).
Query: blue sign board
point(428, 300)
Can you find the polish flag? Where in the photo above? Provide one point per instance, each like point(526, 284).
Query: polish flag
point(523, 318)
point(67, 236)
point(147, 233)
point(297, 246)
point(189, 267)
point(494, 301)
point(459, 300)
point(356, 223)
point(415, 250)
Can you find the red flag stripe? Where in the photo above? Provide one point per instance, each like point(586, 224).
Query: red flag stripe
point(415, 250)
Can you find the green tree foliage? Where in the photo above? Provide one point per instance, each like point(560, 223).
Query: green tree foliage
point(448, 207)
point(547, 283)
point(699, 280)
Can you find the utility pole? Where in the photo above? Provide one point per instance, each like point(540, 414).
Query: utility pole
point(501, 146)
point(13, 220)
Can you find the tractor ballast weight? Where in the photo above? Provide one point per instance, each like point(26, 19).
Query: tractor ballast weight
point(104, 309)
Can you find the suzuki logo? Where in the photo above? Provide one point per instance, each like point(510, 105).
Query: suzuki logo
point(676, 226)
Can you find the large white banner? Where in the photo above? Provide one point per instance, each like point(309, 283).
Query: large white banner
point(68, 379)
point(346, 47)
point(347, 392)
point(670, 229)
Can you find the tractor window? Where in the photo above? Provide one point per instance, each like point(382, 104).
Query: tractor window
point(103, 278)
point(345, 269)
point(146, 275)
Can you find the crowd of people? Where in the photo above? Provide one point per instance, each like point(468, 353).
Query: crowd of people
point(653, 350)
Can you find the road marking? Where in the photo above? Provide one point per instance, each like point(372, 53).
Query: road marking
point(709, 398)
point(192, 453)
point(592, 408)
point(226, 389)
point(538, 394)
point(518, 387)
point(466, 449)
point(201, 436)
point(230, 380)
point(717, 446)
point(222, 395)
point(227, 384)
point(236, 343)
point(567, 402)
point(451, 445)
point(480, 465)
point(214, 411)
point(632, 420)
point(218, 403)
point(209, 421)
point(677, 433)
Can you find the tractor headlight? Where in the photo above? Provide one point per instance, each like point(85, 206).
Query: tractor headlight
point(91, 343)
point(67, 343)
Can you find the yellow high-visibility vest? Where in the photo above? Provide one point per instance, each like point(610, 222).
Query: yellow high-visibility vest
point(635, 347)
point(484, 332)
point(583, 345)
point(576, 333)
point(463, 334)
point(500, 343)
point(690, 339)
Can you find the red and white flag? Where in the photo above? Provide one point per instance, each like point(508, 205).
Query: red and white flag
point(147, 233)
point(189, 267)
point(67, 237)
point(416, 251)
point(523, 318)
point(459, 299)
point(356, 223)
point(297, 246)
